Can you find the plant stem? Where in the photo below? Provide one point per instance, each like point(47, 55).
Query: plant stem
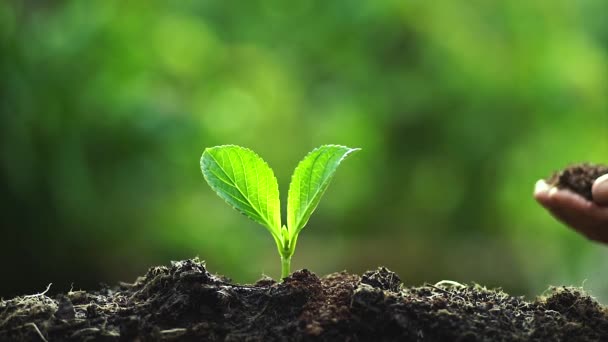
point(285, 267)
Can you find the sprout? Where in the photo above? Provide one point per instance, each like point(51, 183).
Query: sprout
point(247, 183)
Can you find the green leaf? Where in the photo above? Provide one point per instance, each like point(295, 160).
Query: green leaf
point(310, 180)
point(244, 181)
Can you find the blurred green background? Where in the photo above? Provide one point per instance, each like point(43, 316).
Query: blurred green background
point(106, 107)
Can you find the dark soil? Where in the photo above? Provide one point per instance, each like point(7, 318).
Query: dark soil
point(578, 178)
point(184, 302)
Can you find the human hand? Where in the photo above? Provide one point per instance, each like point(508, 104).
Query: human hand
point(589, 218)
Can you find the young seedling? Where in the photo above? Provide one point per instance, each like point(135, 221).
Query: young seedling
point(247, 183)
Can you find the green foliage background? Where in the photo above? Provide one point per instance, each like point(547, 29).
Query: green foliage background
point(106, 107)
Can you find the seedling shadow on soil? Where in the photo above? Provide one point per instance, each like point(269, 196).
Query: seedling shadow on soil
point(186, 302)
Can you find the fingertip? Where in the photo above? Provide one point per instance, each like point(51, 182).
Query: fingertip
point(541, 192)
point(540, 187)
point(599, 190)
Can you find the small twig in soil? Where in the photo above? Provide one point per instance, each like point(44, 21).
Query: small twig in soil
point(39, 294)
point(447, 292)
point(440, 289)
point(173, 333)
point(31, 324)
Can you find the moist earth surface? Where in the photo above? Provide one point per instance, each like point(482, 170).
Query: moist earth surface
point(184, 302)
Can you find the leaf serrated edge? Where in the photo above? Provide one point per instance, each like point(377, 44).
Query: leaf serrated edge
point(295, 230)
point(275, 231)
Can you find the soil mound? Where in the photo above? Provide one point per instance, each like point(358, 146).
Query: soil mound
point(184, 302)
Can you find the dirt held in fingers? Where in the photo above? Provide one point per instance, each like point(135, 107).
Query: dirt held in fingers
point(578, 178)
point(184, 302)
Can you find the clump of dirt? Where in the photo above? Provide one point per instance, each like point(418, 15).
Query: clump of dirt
point(184, 302)
point(578, 178)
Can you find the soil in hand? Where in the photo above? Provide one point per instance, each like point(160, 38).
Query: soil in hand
point(578, 178)
point(184, 302)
